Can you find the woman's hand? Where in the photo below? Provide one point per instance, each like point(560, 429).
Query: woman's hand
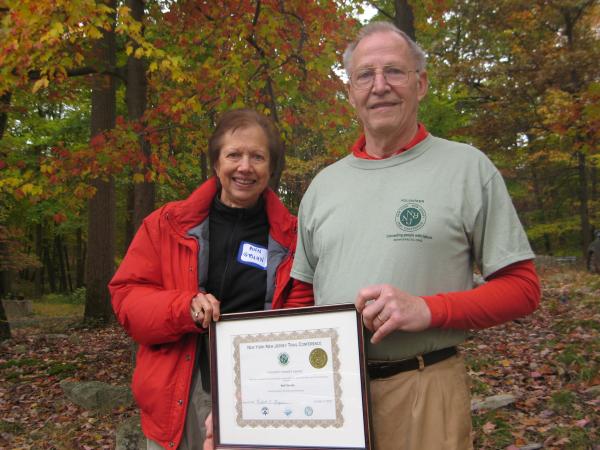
point(209, 443)
point(204, 308)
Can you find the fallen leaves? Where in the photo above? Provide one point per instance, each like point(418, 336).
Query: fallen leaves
point(34, 414)
point(550, 362)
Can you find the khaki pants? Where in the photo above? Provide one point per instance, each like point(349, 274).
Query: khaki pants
point(422, 410)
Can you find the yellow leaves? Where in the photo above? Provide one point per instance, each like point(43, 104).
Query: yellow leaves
point(9, 182)
point(79, 58)
point(193, 104)
point(139, 53)
point(39, 84)
point(46, 168)
point(104, 9)
point(56, 31)
point(31, 189)
point(138, 178)
point(165, 64)
point(15, 185)
point(94, 33)
point(123, 12)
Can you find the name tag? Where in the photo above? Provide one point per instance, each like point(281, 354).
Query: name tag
point(253, 255)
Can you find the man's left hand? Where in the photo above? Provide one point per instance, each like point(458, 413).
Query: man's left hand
point(385, 309)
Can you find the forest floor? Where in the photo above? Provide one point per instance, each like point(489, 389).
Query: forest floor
point(549, 361)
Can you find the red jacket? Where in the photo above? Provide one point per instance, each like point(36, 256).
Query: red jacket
point(151, 296)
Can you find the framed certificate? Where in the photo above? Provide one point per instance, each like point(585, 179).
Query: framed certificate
point(290, 379)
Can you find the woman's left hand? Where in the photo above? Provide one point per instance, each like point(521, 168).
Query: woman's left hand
point(204, 308)
point(209, 443)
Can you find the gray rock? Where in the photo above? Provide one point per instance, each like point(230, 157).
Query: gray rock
point(17, 308)
point(56, 337)
point(493, 402)
point(130, 436)
point(20, 349)
point(73, 339)
point(531, 447)
point(95, 395)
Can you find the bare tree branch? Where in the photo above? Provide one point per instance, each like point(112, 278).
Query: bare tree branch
point(381, 10)
point(81, 71)
point(256, 13)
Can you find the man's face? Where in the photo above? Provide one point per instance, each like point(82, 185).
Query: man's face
point(383, 109)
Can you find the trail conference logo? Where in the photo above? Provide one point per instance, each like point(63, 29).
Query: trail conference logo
point(410, 217)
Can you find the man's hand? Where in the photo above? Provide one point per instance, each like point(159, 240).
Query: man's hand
point(209, 443)
point(204, 308)
point(385, 308)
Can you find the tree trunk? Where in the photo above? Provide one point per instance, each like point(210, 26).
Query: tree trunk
point(61, 266)
point(204, 166)
point(39, 272)
point(129, 227)
point(539, 203)
point(4, 273)
point(594, 182)
point(404, 18)
point(137, 86)
point(583, 202)
point(49, 265)
point(80, 261)
point(69, 279)
point(4, 325)
point(99, 266)
point(4, 104)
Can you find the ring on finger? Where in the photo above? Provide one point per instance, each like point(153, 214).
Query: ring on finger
point(196, 314)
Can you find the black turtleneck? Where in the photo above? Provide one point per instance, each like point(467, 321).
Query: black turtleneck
point(238, 286)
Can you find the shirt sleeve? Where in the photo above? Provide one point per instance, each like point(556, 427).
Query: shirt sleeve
point(305, 260)
point(301, 294)
point(498, 238)
point(509, 293)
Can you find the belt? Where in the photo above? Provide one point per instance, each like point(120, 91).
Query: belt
point(388, 368)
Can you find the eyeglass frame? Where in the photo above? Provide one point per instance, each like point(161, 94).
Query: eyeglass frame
point(382, 70)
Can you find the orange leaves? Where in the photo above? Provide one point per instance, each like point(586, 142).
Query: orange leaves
point(59, 218)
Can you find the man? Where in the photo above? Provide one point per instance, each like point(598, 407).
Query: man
point(396, 227)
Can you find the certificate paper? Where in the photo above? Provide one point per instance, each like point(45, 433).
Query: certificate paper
point(290, 379)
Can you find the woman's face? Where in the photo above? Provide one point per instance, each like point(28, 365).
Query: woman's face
point(243, 166)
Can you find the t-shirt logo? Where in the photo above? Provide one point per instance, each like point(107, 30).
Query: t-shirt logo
point(411, 217)
point(252, 255)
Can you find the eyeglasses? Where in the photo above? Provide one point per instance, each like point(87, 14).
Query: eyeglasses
point(394, 76)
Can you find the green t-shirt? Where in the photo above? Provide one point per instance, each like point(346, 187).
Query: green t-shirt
point(419, 221)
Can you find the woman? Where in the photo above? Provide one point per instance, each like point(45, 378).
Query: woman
point(227, 248)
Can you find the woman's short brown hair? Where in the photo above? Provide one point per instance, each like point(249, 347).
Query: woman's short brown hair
point(242, 118)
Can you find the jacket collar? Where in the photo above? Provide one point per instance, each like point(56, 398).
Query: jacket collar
point(186, 214)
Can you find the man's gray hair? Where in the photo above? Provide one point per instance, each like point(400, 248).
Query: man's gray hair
point(378, 27)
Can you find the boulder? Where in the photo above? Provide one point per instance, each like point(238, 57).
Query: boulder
point(17, 308)
point(97, 396)
point(130, 436)
point(493, 402)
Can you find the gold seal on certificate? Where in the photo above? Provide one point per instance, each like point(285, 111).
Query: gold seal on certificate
point(318, 358)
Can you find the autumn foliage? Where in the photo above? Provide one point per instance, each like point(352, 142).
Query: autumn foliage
point(518, 80)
